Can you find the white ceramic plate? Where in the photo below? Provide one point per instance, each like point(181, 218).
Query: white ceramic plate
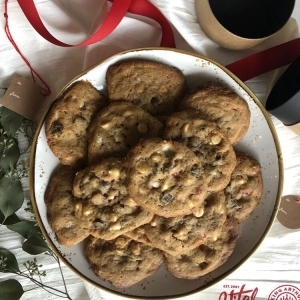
point(260, 142)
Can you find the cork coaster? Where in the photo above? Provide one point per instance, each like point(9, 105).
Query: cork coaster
point(289, 211)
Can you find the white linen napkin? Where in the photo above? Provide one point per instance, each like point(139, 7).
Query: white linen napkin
point(72, 21)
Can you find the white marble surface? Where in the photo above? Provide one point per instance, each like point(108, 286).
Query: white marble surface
point(276, 262)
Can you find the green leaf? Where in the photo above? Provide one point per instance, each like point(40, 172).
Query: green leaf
point(26, 228)
point(10, 120)
point(10, 153)
point(11, 289)
point(10, 260)
point(35, 245)
point(9, 220)
point(11, 195)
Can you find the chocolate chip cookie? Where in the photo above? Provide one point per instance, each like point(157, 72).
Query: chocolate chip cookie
point(68, 119)
point(204, 258)
point(117, 128)
point(207, 141)
point(59, 201)
point(103, 206)
point(245, 188)
point(182, 234)
point(153, 86)
point(139, 234)
point(122, 261)
point(165, 177)
point(223, 106)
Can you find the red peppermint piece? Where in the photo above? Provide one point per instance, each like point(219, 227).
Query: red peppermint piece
point(198, 191)
point(246, 192)
point(176, 174)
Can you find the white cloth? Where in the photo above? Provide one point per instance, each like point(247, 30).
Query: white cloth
point(276, 261)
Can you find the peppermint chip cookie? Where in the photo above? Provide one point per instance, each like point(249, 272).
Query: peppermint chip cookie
point(67, 121)
point(59, 201)
point(139, 234)
point(204, 258)
point(153, 86)
point(122, 261)
point(207, 141)
point(165, 177)
point(103, 207)
point(182, 234)
point(245, 188)
point(223, 106)
point(117, 128)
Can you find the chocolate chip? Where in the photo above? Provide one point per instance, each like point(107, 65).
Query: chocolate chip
point(99, 225)
point(56, 128)
point(203, 265)
point(193, 141)
point(105, 184)
point(155, 101)
point(166, 167)
point(166, 199)
point(196, 172)
point(137, 102)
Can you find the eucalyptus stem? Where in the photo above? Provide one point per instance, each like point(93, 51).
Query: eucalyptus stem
point(61, 273)
point(45, 287)
point(12, 170)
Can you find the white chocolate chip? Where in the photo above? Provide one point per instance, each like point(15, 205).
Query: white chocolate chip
point(106, 125)
point(142, 166)
point(112, 194)
point(191, 204)
point(88, 212)
point(114, 173)
point(113, 218)
point(115, 226)
point(153, 224)
point(165, 186)
point(120, 243)
point(99, 140)
point(156, 157)
point(185, 127)
point(198, 212)
point(166, 148)
point(241, 181)
point(129, 202)
point(135, 249)
point(156, 184)
point(180, 234)
point(97, 199)
point(78, 206)
point(215, 139)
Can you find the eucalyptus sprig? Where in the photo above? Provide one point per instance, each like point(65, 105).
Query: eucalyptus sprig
point(12, 172)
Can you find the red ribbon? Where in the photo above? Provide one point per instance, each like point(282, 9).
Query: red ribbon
point(114, 17)
point(245, 68)
point(266, 60)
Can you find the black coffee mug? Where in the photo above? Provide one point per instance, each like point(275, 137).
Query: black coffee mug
point(242, 24)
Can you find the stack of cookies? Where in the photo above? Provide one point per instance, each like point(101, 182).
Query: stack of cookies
point(149, 174)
